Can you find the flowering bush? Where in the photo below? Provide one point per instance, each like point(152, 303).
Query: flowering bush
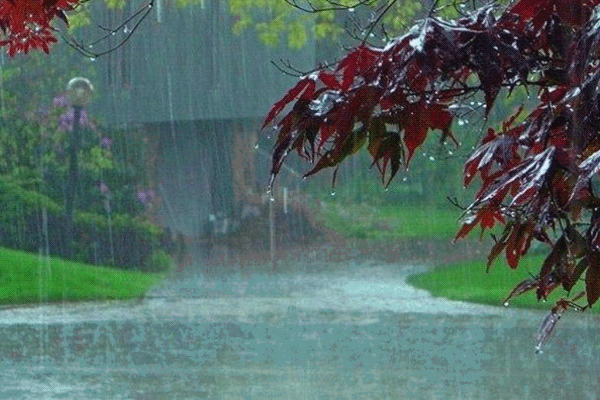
point(112, 190)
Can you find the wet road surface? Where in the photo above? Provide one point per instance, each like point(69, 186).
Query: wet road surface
point(339, 330)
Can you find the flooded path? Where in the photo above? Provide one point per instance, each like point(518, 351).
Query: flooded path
point(321, 330)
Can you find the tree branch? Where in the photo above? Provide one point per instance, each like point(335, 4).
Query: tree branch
point(84, 48)
point(334, 6)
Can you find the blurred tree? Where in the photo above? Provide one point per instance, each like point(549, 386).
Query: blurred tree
point(299, 21)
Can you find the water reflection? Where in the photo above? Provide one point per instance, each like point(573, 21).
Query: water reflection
point(339, 331)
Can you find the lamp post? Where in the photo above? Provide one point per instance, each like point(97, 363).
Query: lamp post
point(79, 92)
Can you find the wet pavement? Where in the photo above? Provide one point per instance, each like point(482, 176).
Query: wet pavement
point(334, 329)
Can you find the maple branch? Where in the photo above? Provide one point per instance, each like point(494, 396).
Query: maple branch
point(288, 66)
point(454, 201)
point(455, 5)
point(432, 8)
point(299, 73)
point(535, 174)
point(378, 19)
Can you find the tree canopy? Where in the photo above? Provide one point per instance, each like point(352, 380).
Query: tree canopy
point(538, 177)
point(300, 21)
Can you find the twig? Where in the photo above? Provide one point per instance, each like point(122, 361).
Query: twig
point(334, 6)
point(376, 21)
point(83, 48)
point(454, 202)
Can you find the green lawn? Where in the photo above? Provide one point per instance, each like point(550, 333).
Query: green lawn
point(465, 281)
point(468, 281)
point(29, 278)
point(390, 222)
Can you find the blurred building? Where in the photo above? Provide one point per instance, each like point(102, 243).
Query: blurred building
point(199, 92)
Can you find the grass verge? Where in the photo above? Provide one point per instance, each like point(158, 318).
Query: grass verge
point(28, 278)
point(463, 281)
point(388, 222)
point(468, 281)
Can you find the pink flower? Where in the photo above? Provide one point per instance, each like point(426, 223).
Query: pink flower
point(104, 189)
point(60, 101)
point(65, 122)
point(106, 142)
point(146, 196)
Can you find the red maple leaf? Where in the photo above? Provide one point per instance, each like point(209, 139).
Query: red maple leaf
point(26, 24)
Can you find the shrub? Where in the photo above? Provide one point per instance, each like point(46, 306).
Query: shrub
point(158, 261)
point(21, 216)
point(32, 222)
point(119, 240)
